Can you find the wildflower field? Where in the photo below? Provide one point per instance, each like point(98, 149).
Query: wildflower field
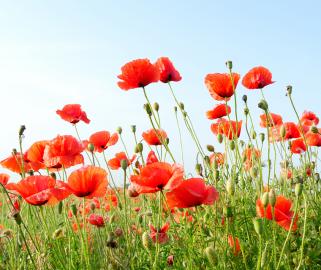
point(255, 205)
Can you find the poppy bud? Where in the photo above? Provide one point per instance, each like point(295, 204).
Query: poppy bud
point(314, 129)
point(124, 164)
point(60, 205)
point(147, 241)
point(119, 130)
point(167, 141)
point(262, 137)
point(73, 209)
point(118, 232)
point(199, 169)
point(265, 199)
point(53, 175)
point(298, 189)
point(175, 108)
point(22, 130)
point(139, 148)
point(211, 255)
point(289, 89)
point(210, 148)
point(229, 64)
point(244, 98)
point(230, 188)
point(90, 147)
point(258, 225)
point(220, 138)
point(282, 131)
point(133, 128)
point(184, 114)
point(156, 106)
point(246, 111)
point(272, 197)
point(181, 105)
point(232, 145)
point(16, 216)
point(263, 105)
point(253, 135)
point(59, 233)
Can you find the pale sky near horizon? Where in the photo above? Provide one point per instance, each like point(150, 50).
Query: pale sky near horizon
point(59, 52)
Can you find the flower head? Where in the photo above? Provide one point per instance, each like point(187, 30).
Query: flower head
point(220, 85)
point(257, 78)
point(167, 70)
point(72, 113)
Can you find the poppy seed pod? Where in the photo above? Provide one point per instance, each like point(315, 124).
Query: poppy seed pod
point(289, 89)
point(133, 128)
point(156, 106)
point(265, 199)
point(258, 225)
point(147, 241)
point(211, 255)
point(210, 148)
point(124, 164)
point(229, 64)
point(119, 130)
point(22, 130)
point(272, 197)
point(263, 105)
point(244, 98)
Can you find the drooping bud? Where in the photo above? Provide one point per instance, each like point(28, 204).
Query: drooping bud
point(175, 109)
point(229, 64)
point(244, 98)
point(314, 129)
point(207, 160)
point(253, 134)
point(282, 131)
point(220, 138)
point(272, 197)
point(182, 106)
point(258, 225)
point(118, 232)
point(263, 105)
point(16, 216)
point(148, 109)
point(156, 106)
point(199, 169)
point(228, 211)
point(298, 189)
point(265, 199)
point(119, 130)
point(262, 137)
point(210, 148)
point(289, 89)
point(133, 128)
point(22, 130)
point(111, 242)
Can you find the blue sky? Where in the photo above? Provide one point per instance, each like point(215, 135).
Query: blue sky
point(59, 52)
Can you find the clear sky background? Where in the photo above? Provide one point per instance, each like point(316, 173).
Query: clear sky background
point(59, 52)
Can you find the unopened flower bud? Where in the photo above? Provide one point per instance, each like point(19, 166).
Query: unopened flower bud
point(244, 98)
point(22, 130)
point(258, 225)
point(147, 241)
point(314, 129)
point(282, 131)
point(119, 130)
point(59, 233)
point(232, 145)
point(210, 148)
point(90, 147)
point(262, 137)
point(298, 189)
point(272, 197)
point(156, 106)
point(181, 105)
point(265, 199)
point(148, 109)
point(253, 134)
point(220, 138)
point(211, 255)
point(139, 148)
point(207, 160)
point(199, 169)
point(133, 128)
point(229, 64)
point(263, 105)
point(184, 114)
point(289, 89)
point(124, 164)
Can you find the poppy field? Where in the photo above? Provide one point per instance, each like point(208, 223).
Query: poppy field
point(68, 203)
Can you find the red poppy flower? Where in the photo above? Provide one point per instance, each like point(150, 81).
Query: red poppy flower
point(138, 73)
point(102, 140)
point(291, 132)
point(257, 78)
point(63, 151)
point(220, 85)
point(309, 119)
point(234, 243)
point(35, 155)
point(191, 192)
point(4, 178)
point(154, 136)
point(157, 176)
point(115, 163)
point(273, 120)
point(72, 113)
point(159, 235)
point(96, 220)
point(298, 146)
point(151, 158)
point(14, 163)
point(88, 182)
point(313, 139)
point(220, 110)
point(282, 212)
point(167, 70)
point(230, 129)
point(40, 190)
point(218, 158)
